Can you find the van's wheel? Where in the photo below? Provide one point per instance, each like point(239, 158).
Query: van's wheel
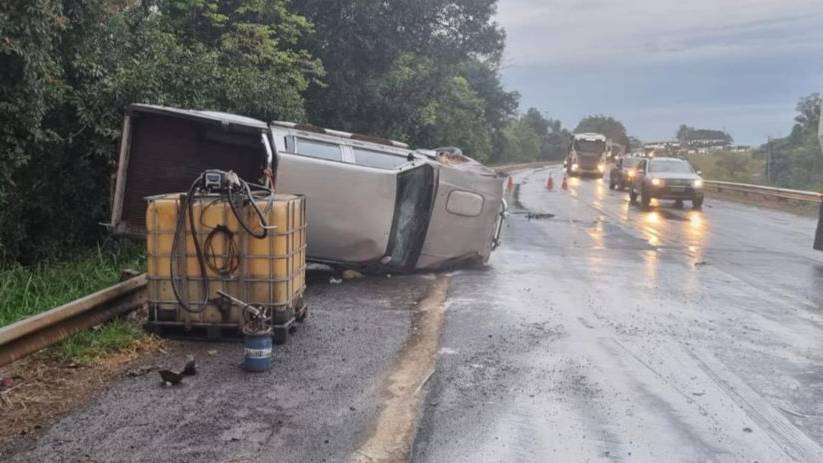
point(645, 199)
point(632, 196)
point(678, 204)
point(697, 203)
point(611, 185)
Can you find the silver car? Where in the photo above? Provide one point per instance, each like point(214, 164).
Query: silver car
point(666, 178)
point(372, 204)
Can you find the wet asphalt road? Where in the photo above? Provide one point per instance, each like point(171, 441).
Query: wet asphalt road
point(603, 333)
point(607, 333)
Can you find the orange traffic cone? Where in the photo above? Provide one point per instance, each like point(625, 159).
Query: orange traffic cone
point(565, 183)
point(510, 185)
point(550, 183)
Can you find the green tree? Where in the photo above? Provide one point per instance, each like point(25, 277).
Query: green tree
point(70, 67)
point(368, 47)
point(684, 133)
point(604, 125)
point(522, 143)
point(532, 137)
point(796, 160)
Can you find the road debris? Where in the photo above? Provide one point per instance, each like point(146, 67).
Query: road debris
point(171, 378)
point(350, 274)
point(190, 369)
point(335, 281)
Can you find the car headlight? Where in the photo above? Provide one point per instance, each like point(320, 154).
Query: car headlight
point(698, 183)
point(575, 166)
point(657, 182)
point(630, 174)
point(601, 167)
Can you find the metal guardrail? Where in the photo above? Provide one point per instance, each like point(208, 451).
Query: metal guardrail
point(34, 333)
point(766, 191)
point(508, 168)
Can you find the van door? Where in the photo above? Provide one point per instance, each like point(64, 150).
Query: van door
point(162, 150)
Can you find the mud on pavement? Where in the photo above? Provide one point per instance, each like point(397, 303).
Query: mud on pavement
point(392, 431)
point(318, 403)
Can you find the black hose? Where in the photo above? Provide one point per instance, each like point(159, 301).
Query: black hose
point(231, 254)
point(231, 257)
point(179, 229)
point(257, 210)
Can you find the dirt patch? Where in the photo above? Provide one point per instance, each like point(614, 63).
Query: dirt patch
point(392, 431)
point(39, 389)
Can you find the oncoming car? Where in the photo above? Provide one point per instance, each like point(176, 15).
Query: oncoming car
point(623, 172)
point(666, 178)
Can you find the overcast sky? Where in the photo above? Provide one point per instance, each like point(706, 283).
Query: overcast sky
point(654, 64)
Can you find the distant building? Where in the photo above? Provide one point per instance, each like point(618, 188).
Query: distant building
point(654, 148)
point(666, 144)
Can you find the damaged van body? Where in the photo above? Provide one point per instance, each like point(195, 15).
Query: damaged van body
point(372, 204)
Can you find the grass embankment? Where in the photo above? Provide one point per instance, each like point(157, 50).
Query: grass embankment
point(29, 290)
point(745, 167)
point(731, 166)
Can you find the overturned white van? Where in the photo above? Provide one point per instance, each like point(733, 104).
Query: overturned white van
point(372, 204)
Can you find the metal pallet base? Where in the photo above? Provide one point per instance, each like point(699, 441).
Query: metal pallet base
point(218, 332)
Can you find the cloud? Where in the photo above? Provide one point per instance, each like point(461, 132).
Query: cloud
point(590, 31)
point(656, 64)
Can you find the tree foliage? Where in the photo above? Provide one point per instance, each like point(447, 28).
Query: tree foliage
point(532, 137)
point(423, 71)
point(796, 160)
point(68, 69)
point(687, 134)
point(604, 125)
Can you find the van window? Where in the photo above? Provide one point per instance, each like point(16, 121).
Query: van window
point(378, 159)
point(319, 149)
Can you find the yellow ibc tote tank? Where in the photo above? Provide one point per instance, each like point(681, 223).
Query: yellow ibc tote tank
point(267, 272)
